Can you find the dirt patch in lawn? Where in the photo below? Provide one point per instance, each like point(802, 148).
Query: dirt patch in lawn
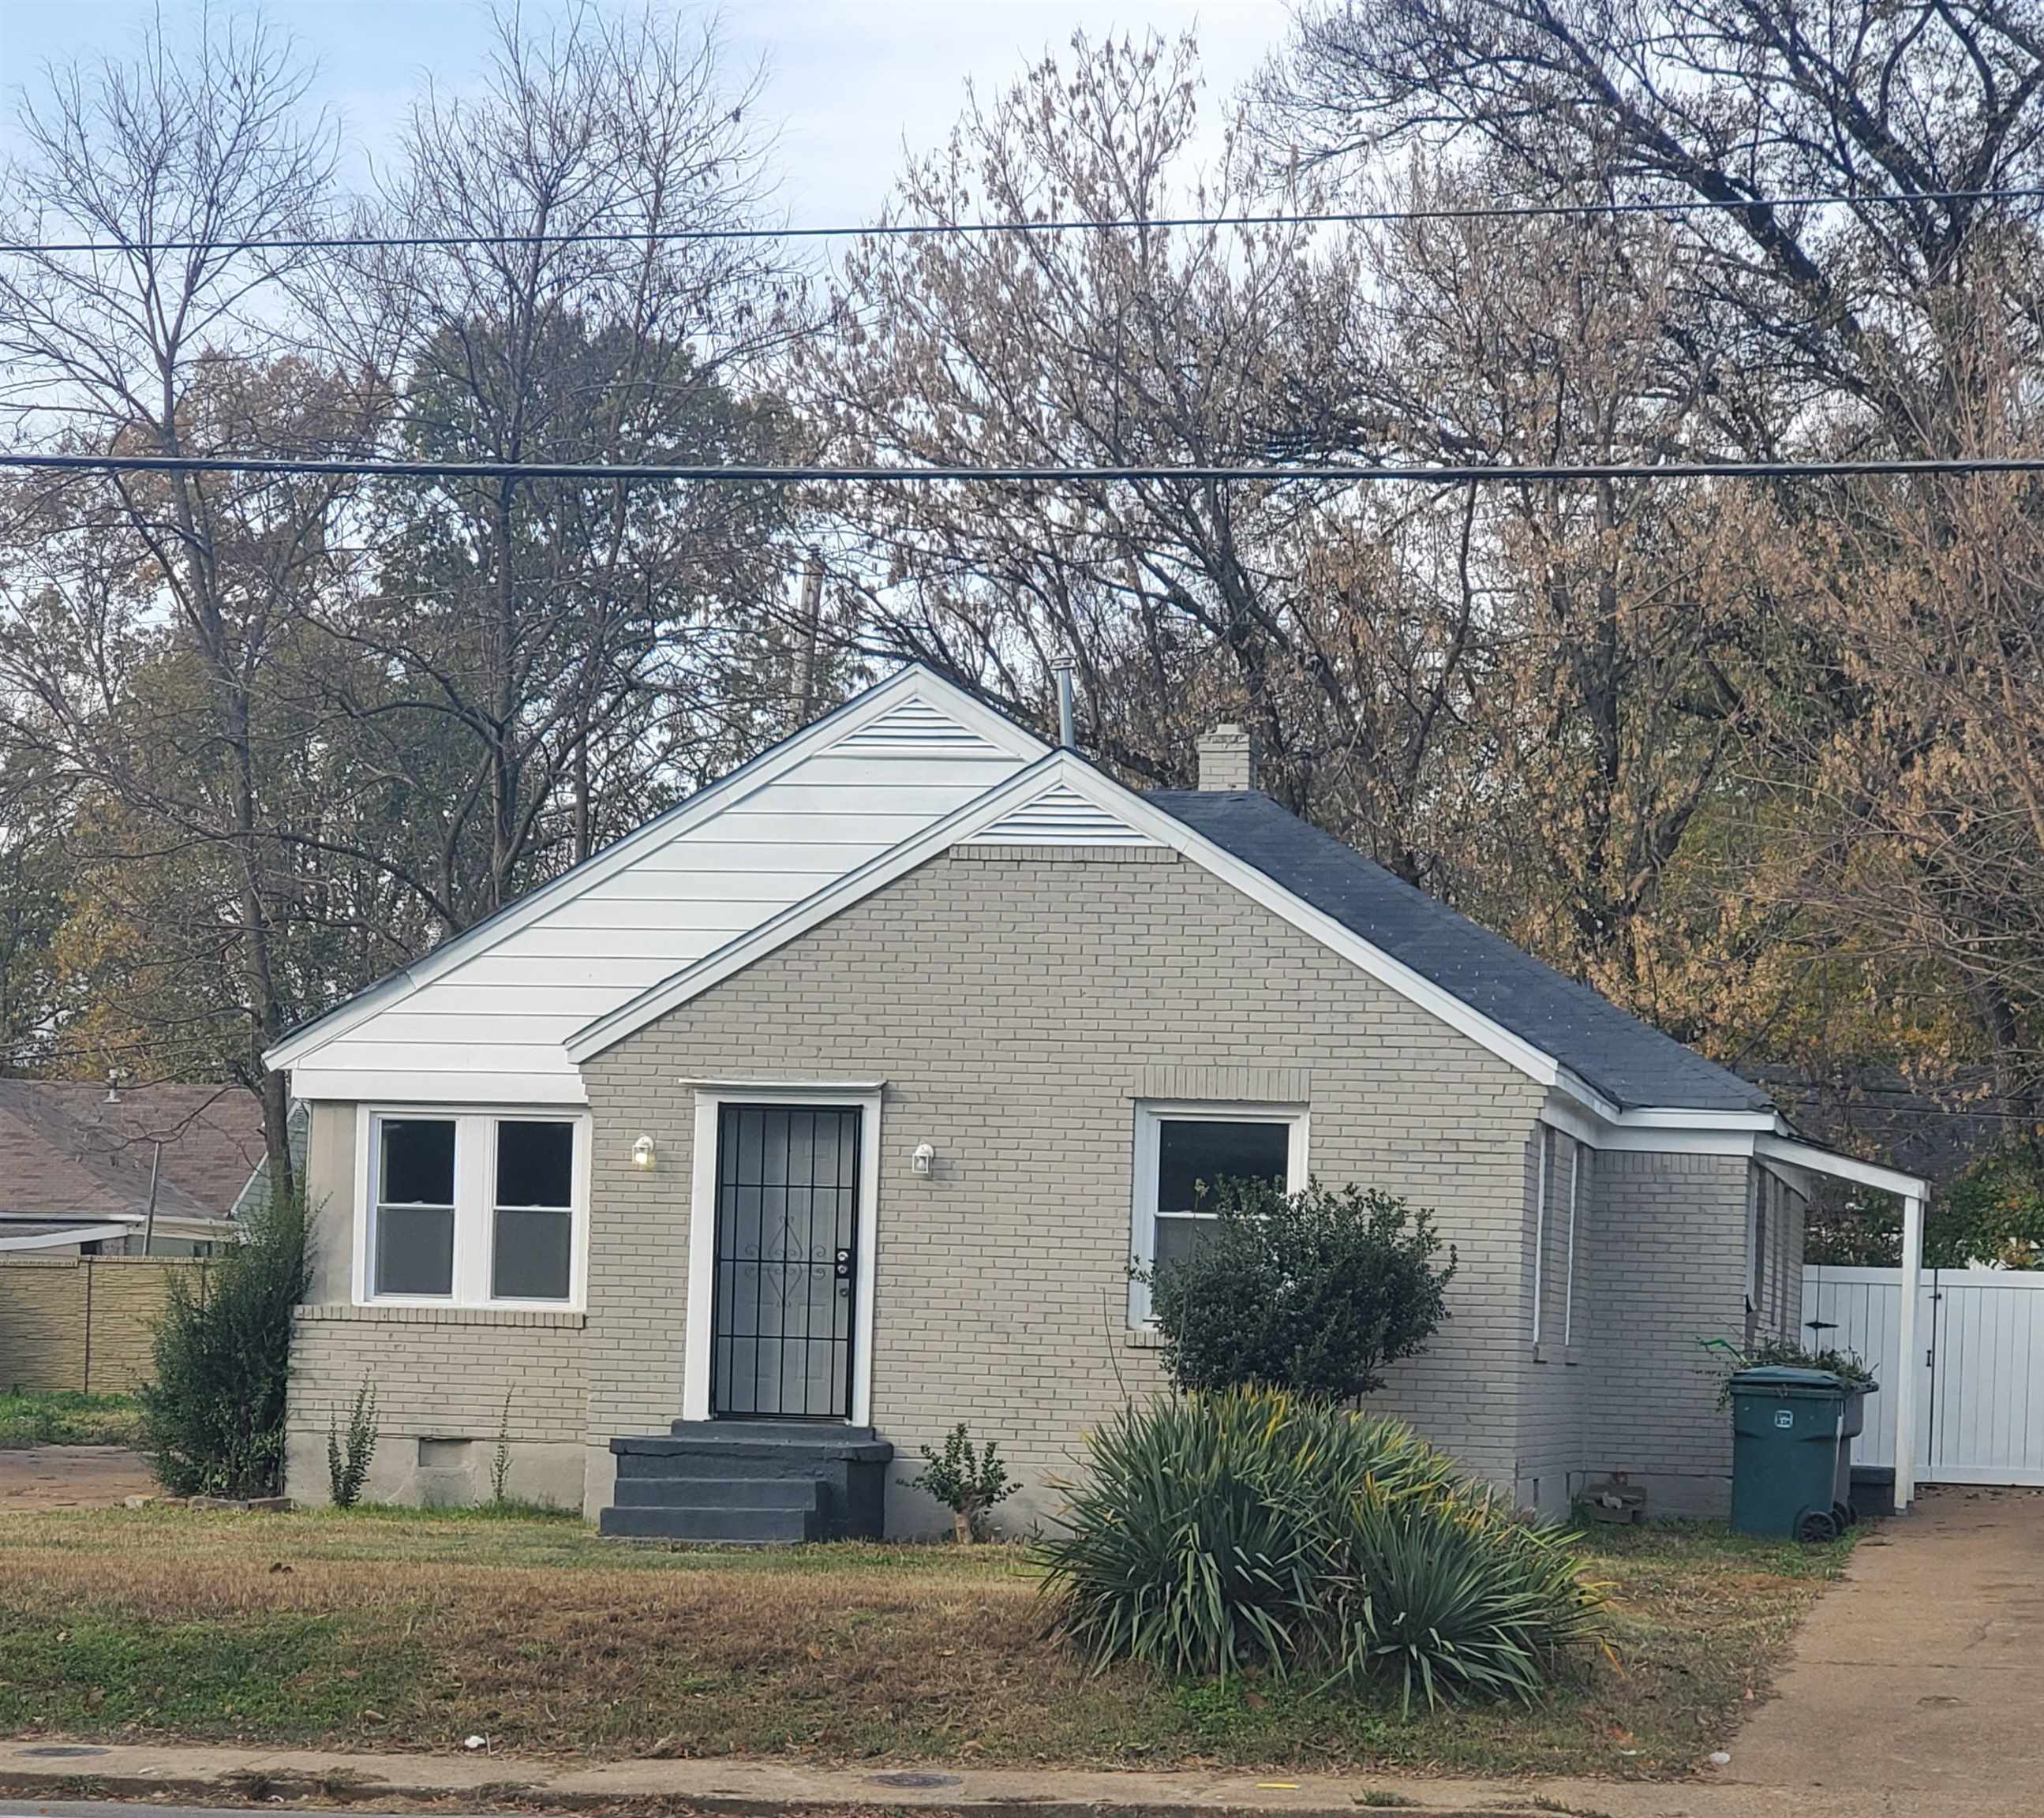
point(380, 1631)
point(47, 1476)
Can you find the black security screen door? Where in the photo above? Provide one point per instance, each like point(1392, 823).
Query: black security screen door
point(787, 1251)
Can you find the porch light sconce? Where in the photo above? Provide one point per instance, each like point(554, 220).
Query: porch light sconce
point(642, 1153)
point(924, 1158)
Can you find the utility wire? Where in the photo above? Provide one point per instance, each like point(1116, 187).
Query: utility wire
point(1317, 473)
point(884, 230)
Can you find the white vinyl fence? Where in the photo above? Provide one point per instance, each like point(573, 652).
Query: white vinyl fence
point(1980, 1399)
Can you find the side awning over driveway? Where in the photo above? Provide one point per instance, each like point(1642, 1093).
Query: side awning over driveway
point(1914, 1194)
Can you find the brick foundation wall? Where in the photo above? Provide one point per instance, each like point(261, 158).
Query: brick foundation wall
point(443, 1376)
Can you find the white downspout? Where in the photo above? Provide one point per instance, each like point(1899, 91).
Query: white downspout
point(1907, 1378)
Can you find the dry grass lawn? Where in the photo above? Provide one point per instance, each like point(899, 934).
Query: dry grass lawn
point(382, 1630)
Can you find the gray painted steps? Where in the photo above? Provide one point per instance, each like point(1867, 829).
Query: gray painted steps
point(766, 1482)
point(731, 1527)
point(797, 1493)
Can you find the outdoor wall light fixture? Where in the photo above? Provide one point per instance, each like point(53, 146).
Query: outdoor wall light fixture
point(925, 1158)
point(642, 1153)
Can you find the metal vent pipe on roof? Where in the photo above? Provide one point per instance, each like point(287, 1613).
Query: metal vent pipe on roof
point(1062, 667)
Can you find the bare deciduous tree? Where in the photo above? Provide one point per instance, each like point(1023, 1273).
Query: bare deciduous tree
point(206, 143)
point(562, 636)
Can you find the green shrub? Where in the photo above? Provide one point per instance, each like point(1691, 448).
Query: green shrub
point(1453, 1594)
point(348, 1456)
point(1788, 1353)
point(212, 1421)
point(971, 1482)
point(1314, 1291)
point(1214, 1533)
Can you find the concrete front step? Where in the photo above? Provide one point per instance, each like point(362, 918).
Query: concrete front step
point(798, 1493)
point(731, 1527)
point(831, 1477)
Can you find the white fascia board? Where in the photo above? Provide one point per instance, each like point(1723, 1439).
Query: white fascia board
point(912, 682)
point(1794, 1161)
point(1666, 1129)
point(56, 1240)
point(1675, 1118)
point(1072, 771)
point(1807, 1155)
point(1656, 1132)
point(351, 1085)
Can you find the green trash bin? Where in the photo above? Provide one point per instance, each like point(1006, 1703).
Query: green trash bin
point(1788, 1433)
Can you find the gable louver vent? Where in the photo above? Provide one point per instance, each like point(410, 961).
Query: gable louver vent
point(914, 728)
point(1060, 816)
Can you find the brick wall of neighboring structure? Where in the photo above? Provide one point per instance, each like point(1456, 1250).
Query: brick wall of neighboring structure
point(84, 1323)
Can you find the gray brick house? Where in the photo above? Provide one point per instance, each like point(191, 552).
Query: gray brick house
point(829, 1109)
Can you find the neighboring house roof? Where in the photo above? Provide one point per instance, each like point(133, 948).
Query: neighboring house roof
point(1630, 1062)
point(67, 1153)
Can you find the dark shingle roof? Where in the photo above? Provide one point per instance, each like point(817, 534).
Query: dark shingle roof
point(1630, 1062)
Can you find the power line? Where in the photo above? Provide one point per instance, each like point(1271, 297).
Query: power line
point(600, 472)
point(884, 230)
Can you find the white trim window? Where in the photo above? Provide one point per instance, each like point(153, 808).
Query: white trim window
point(472, 1209)
point(1181, 1151)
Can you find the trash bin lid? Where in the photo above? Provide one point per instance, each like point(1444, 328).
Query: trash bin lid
point(1786, 1380)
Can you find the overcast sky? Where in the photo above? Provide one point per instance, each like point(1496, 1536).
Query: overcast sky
point(849, 80)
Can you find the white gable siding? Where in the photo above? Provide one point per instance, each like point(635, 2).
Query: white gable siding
point(489, 1028)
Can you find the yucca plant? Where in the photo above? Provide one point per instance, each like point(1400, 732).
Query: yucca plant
point(1449, 1593)
point(1189, 1545)
point(1215, 1532)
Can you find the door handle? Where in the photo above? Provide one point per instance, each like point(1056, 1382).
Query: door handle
point(843, 1268)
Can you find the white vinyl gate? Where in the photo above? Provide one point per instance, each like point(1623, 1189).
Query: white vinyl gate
point(1980, 1366)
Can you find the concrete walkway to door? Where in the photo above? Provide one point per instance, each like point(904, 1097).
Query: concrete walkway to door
point(1917, 1685)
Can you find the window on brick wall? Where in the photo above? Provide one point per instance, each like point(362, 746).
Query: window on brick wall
point(1183, 1152)
point(472, 1209)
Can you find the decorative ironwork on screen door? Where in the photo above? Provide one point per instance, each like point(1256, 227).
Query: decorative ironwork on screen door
point(787, 1251)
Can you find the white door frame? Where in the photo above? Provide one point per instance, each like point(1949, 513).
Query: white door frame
point(711, 1096)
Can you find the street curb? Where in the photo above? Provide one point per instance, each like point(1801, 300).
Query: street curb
point(259, 1788)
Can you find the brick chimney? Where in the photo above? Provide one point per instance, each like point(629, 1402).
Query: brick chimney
point(1227, 758)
